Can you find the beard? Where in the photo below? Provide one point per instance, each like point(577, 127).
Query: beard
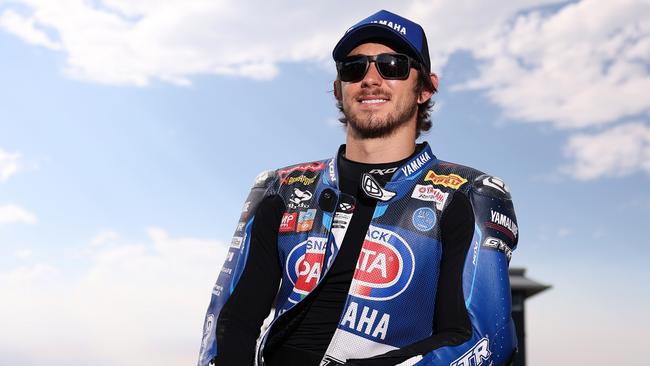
point(373, 126)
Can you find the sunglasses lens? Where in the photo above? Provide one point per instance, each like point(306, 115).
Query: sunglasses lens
point(390, 66)
point(393, 66)
point(353, 68)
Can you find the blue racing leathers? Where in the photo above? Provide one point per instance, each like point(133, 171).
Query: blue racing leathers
point(391, 299)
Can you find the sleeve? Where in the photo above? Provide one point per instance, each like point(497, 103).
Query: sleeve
point(247, 284)
point(475, 327)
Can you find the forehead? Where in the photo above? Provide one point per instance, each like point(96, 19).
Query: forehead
point(370, 49)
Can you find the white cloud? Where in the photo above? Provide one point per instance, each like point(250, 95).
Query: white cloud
point(23, 253)
point(615, 152)
point(9, 164)
point(135, 42)
point(104, 237)
point(135, 304)
point(25, 28)
point(585, 65)
point(26, 276)
point(10, 214)
point(573, 65)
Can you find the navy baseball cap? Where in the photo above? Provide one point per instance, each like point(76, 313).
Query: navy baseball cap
point(399, 33)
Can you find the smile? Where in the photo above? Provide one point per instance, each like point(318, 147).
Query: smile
point(373, 101)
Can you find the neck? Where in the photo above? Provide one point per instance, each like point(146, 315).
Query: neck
point(395, 147)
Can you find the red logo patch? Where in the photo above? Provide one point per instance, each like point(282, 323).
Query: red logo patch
point(308, 267)
point(385, 267)
point(288, 222)
point(378, 265)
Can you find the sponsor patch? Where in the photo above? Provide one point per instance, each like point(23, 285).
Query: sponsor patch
point(302, 179)
point(246, 206)
point(373, 190)
point(331, 171)
point(385, 266)
point(299, 199)
point(383, 172)
point(236, 242)
point(476, 355)
point(306, 220)
point(207, 331)
point(501, 222)
point(240, 226)
point(346, 207)
point(217, 290)
point(498, 244)
point(288, 222)
point(395, 26)
point(340, 225)
point(491, 186)
point(304, 265)
point(366, 320)
point(497, 184)
point(453, 181)
point(424, 218)
point(415, 164)
point(341, 220)
point(425, 192)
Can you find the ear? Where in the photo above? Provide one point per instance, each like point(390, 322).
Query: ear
point(425, 95)
point(337, 89)
point(434, 81)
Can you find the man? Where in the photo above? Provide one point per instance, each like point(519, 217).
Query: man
point(382, 255)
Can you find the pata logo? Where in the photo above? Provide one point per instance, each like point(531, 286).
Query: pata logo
point(385, 267)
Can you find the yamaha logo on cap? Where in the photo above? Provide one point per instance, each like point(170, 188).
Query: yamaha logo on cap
point(397, 31)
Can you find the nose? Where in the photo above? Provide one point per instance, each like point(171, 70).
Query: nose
point(372, 77)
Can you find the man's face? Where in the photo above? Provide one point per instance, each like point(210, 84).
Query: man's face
point(375, 107)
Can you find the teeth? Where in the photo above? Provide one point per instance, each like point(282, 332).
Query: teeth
point(372, 101)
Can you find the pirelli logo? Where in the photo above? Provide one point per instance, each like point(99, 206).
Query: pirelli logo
point(452, 180)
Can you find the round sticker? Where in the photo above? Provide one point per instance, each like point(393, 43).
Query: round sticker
point(424, 219)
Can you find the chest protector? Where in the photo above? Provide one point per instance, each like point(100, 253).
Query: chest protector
point(390, 302)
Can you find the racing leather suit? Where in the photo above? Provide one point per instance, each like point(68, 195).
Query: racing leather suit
point(392, 295)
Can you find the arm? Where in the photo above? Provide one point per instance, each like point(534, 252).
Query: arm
point(247, 284)
point(486, 333)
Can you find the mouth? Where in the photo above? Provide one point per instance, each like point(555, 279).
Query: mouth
point(373, 99)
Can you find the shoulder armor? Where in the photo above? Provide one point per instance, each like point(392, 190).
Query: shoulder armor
point(303, 175)
point(491, 186)
point(265, 178)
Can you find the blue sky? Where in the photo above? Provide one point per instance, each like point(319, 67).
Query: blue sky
point(130, 133)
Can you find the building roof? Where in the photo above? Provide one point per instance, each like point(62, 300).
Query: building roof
point(522, 284)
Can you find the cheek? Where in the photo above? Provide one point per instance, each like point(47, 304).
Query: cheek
point(348, 93)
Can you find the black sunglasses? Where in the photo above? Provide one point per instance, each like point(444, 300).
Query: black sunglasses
point(391, 66)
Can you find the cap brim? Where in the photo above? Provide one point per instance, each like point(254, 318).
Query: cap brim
point(376, 33)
